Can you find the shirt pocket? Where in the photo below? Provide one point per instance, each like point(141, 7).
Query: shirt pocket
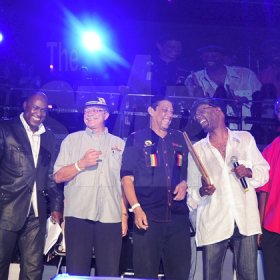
point(152, 157)
point(178, 156)
point(115, 159)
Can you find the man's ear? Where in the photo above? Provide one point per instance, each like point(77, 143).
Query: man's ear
point(151, 111)
point(106, 115)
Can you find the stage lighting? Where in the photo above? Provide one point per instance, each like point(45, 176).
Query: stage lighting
point(1, 37)
point(92, 41)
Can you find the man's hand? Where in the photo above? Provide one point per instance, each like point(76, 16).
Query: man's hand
point(206, 189)
point(56, 217)
point(180, 190)
point(242, 171)
point(140, 218)
point(124, 224)
point(89, 159)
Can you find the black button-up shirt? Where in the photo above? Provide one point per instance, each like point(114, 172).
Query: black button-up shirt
point(158, 166)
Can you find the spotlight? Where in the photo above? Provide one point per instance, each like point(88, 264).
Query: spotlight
point(1, 37)
point(92, 41)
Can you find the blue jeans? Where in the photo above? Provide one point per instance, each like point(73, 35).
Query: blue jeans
point(245, 250)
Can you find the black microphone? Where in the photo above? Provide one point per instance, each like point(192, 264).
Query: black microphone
point(235, 163)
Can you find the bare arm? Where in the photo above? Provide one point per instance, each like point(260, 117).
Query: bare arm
point(140, 218)
point(124, 216)
point(262, 203)
point(66, 173)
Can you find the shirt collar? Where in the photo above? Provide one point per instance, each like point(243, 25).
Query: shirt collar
point(91, 132)
point(231, 72)
point(40, 131)
point(233, 136)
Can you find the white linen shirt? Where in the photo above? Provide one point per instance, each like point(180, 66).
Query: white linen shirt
point(241, 81)
point(229, 204)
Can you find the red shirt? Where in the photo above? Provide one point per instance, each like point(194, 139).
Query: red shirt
point(272, 210)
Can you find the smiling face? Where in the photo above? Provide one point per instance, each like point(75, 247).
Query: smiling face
point(208, 116)
point(95, 117)
point(170, 50)
point(161, 116)
point(212, 59)
point(35, 110)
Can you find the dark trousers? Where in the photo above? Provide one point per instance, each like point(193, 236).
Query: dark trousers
point(84, 236)
point(271, 254)
point(31, 241)
point(169, 242)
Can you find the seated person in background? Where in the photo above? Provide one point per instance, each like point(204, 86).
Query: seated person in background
point(166, 67)
point(270, 57)
point(264, 122)
point(238, 82)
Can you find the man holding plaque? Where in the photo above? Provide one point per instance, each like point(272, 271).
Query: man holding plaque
point(227, 209)
point(154, 169)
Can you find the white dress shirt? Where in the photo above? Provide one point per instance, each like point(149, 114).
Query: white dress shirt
point(35, 140)
point(241, 81)
point(229, 204)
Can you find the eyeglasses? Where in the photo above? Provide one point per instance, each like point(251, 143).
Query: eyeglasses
point(202, 110)
point(93, 110)
point(165, 111)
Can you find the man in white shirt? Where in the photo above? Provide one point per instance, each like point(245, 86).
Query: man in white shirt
point(236, 83)
point(27, 155)
point(227, 211)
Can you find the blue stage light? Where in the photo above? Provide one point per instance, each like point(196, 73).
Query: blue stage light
point(1, 37)
point(92, 41)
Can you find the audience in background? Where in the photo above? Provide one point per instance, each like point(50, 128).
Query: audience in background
point(238, 83)
point(264, 126)
point(270, 58)
point(167, 68)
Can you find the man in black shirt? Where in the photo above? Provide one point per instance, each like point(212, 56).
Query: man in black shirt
point(153, 172)
point(168, 67)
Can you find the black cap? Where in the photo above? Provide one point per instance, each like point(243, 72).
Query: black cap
point(213, 102)
point(212, 48)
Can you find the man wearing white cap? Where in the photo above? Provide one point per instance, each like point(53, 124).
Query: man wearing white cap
point(95, 217)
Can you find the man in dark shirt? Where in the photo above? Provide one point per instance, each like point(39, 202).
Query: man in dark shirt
point(168, 68)
point(153, 175)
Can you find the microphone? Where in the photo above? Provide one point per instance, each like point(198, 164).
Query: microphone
point(235, 163)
